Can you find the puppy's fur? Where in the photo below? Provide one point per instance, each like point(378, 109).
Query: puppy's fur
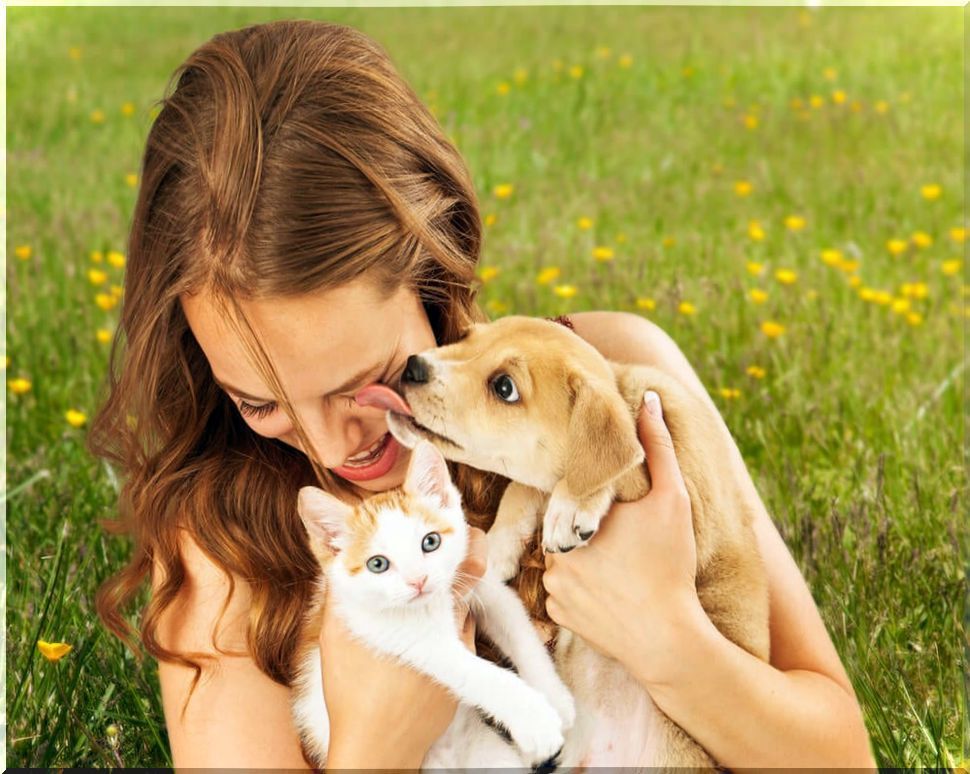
point(531, 400)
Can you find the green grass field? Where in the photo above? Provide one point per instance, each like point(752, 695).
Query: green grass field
point(715, 169)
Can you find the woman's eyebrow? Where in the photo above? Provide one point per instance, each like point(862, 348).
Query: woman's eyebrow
point(359, 378)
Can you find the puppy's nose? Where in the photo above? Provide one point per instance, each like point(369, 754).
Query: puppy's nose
point(416, 371)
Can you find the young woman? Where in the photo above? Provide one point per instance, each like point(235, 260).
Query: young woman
point(302, 227)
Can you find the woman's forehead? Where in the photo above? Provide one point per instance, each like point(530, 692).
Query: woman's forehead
point(324, 335)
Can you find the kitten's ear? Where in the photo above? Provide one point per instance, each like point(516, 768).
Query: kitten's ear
point(428, 475)
point(323, 514)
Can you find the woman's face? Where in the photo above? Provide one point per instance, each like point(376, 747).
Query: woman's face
point(325, 346)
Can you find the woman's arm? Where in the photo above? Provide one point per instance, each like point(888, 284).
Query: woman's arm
point(800, 709)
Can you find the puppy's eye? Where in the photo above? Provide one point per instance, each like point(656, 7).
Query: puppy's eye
point(504, 387)
point(378, 564)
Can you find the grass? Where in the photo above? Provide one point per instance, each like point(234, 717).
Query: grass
point(854, 433)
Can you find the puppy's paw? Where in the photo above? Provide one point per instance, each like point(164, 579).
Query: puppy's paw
point(569, 522)
point(504, 554)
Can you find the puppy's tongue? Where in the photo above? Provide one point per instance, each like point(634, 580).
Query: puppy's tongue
point(383, 397)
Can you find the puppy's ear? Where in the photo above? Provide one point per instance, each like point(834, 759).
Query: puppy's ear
point(601, 442)
point(324, 516)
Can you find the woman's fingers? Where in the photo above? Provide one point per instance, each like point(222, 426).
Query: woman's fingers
point(662, 464)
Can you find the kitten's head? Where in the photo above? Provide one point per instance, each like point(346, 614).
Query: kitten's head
point(397, 548)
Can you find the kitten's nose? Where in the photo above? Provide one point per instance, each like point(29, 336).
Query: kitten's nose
point(416, 371)
point(418, 583)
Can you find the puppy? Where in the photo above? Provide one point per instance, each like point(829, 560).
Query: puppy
point(530, 400)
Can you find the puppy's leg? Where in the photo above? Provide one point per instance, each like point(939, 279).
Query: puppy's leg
point(518, 513)
point(569, 522)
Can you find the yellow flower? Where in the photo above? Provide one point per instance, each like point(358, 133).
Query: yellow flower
point(96, 256)
point(757, 295)
point(97, 116)
point(576, 71)
point(105, 301)
point(743, 188)
point(495, 306)
point(603, 253)
point(756, 231)
point(900, 305)
point(918, 290)
point(490, 219)
point(750, 121)
point(794, 222)
point(816, 101)
point(831, 257)
point(565, 291)
point(117, 291)
point(520, 76)
point(128, 109)
point(686, 307)
point(931, 191)
point(621, 238)
point(625, 61)
point(646, 303)
point(730, 393)
point(585, 223)
point(838, 96)
point(786, 276)
point(23, 252)
point(488, 273)
point(849, 266)
point(755, 268)
point(883, 297)
point(958, 234)
point(116, 259)
point(19, 386)
point(772, 329)
point(882, 107)
point(914, 318)
point(76, 418)
point(74, 52)
point(756, 371)
point(97, 277)
point(896, 246)
point(668, 241)
point(503, 88)
point(53, 651)
point(952, 267)
point(503, 190)
point(131, 179)
point(547, 275)
point(921, 239)
point(855, 281)
point(830, 73)
point(867, 294)
point(104, 335)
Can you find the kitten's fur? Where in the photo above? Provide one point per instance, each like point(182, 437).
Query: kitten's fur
point(394, 613)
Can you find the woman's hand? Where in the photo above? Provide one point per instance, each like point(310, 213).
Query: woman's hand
point(384, 714)
point(639, 567)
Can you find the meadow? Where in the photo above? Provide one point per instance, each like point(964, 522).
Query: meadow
point(781, 189)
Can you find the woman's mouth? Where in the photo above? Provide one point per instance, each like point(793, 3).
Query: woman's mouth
point(373, 465)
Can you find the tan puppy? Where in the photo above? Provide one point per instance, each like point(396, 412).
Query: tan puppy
point(531, 400)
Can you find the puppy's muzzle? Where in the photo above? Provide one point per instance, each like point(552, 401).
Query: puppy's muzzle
point(416, 371)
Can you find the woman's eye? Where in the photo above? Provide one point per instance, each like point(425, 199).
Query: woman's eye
point(431, 542)
point(257, 412)
point(378, 564)
point(504, 387)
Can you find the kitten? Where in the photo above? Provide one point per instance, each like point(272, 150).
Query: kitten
point(389, 565)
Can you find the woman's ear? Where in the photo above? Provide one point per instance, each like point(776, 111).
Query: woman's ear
point(601, 440)
point(324, 516)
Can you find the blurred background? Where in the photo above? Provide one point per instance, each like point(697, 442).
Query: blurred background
point(781, 189)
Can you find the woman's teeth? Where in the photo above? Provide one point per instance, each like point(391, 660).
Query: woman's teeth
point(367, 453)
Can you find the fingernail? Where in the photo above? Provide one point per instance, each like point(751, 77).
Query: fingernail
point(652, 401)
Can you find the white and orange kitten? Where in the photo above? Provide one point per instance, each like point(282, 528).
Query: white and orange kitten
point(389, 570)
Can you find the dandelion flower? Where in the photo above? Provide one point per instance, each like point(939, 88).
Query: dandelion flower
point(729, 393)
point(882, 107)
point(547, 275)
point(914, 318)
point(646, 303)
point(952, 267)
point(131, 179)
point(116, 259)
point(576, 71)
point(585, 223)
point(755, 268)
point(831, 257)
point(503, 88)
point(23, 252)
point(106, 301)
point(900, 305)
point(128, 109)
point(54, 651)
point(855, 280)
point(75, 418)
point(625, 61)
point(794, 222)
point(668, 241)
point(687, 308)
point(816, 101)
point(490, 219)
point(838, 97)
point(19, 386)
point(603, 253)
point(488, 273)
point(849, 266)
point(503, 190)
point(931, 191)
point(750, 121)
point(97, 116)
point(830, 73)
point(756, 371)
point(757, 295)
point(565, 291)
point(897, 246)
point(883, 297)
point(958, 234)
point(97, 276)
point(921, 239)
point(496, 306)
point(96, 256)
point(772, 329)
point(756, 231)
point(786, 276)
point(743, 188)
point(103, 335)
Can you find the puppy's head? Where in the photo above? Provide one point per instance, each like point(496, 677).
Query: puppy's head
point(526, 398)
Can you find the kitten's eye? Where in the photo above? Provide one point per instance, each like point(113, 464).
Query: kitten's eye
point(504, 387)
point(431, 542)
point(378, 564)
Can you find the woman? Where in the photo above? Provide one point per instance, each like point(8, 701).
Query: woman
point(302, 227)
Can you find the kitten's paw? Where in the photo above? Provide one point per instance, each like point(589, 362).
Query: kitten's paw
point(569, 522)
point(537, 730)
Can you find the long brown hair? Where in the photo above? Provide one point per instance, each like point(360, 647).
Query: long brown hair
point(289, 157)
